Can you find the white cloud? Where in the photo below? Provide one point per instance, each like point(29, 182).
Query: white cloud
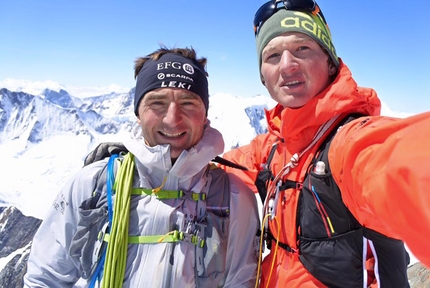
point(37, 87)
point(88, 91)
point(386, 111)
point(30, 87)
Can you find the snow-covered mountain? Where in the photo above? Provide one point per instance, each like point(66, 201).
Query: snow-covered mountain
point(44, 137)
point(37, 118)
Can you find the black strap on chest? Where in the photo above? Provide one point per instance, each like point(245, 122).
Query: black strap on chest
point(288, 184)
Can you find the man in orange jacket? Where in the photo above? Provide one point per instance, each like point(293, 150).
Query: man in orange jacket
point(378, 164)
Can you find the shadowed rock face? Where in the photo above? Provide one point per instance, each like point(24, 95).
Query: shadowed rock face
point(419, 276)
point(16, 235)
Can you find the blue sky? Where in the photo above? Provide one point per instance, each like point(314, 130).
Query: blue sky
point(386, 44)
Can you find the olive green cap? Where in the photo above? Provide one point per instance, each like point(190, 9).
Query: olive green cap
point(295, 21)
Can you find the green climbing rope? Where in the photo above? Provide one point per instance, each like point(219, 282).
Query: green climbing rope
point(116, 255)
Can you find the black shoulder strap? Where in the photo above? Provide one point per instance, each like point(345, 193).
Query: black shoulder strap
point(271, 153)
point(226, 162)
point(265, 174)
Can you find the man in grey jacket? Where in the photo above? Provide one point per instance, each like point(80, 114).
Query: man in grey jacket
point(171, 219)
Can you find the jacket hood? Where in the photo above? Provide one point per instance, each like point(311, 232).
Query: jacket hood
point(342, 97)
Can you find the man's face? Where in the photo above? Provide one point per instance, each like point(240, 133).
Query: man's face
point(295, 69)
point(172, 116)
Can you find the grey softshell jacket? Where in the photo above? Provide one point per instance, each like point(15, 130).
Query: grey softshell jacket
point(232, 246)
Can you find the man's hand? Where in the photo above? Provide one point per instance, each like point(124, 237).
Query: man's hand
point(103, 150)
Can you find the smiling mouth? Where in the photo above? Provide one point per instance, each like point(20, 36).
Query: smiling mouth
point(295, 82)
point(171, 135)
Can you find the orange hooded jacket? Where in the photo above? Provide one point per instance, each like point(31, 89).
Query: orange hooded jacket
point(378, 164)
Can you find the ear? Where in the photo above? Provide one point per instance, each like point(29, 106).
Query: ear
point(332, 70)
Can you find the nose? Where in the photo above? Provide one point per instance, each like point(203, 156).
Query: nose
point(173, 115)
point(288, 62)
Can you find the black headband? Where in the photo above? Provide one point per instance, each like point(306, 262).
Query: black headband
point(171, 71)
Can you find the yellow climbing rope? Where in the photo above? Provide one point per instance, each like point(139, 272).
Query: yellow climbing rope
point(116, 255)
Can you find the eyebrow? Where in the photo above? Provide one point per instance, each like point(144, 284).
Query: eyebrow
point(190, 96)
point(158, 96)
point(154, 96)
point(295, 41)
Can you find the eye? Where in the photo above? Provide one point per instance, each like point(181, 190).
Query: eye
point(156, 103)
point(190, 103)
point(302, 48)
point(273, 55)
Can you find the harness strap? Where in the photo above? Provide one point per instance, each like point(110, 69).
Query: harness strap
point(168, 194)
point(162, 194)
point(284, 246)
point(171, 237)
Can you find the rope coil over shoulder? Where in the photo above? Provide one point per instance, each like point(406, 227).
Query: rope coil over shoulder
point(116, 255)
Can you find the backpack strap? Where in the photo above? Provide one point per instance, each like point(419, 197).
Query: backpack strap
point(265, 175)
point(223, 161)
point(168, 194)
point(171, 237)
point(201, 224)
